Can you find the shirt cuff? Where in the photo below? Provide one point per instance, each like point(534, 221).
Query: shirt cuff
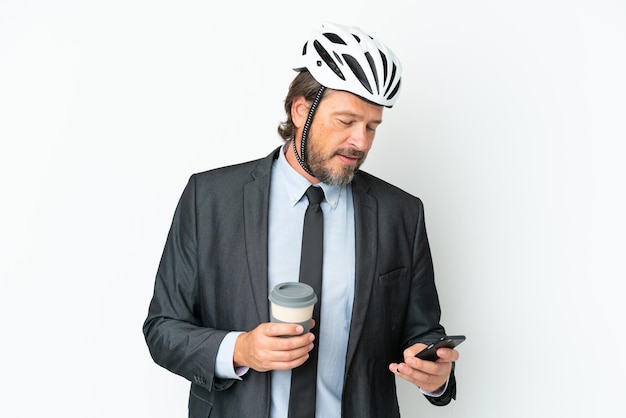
point(224, 368)
point(437, 393)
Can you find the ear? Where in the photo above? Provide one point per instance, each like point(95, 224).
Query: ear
point(299, 111)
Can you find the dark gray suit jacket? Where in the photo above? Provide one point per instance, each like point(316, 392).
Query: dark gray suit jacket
point(212, 279)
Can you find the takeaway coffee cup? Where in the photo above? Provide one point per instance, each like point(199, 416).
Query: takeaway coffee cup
point(292, 302)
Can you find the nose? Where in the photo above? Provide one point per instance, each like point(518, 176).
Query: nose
point(359, 138)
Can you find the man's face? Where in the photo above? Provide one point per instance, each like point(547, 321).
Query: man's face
point(341, 135)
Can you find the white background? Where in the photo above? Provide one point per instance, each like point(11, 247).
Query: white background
point(510, 127)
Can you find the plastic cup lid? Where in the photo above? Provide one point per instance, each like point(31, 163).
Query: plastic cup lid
point(293, 295)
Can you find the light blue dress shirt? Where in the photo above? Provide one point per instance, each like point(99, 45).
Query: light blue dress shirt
point(286, 216)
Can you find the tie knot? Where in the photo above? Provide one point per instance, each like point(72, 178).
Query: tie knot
point(315, 195)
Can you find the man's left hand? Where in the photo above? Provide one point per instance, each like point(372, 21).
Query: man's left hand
point(430, 376)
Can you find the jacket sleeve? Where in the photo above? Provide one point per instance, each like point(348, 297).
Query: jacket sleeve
point(447, 396)
point(425, 311)
point(175, 337)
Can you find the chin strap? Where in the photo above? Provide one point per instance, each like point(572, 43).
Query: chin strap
point(305, 133)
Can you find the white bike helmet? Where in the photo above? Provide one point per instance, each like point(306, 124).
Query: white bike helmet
point(346, 58)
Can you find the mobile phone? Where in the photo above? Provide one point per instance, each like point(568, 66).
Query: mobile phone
point(449, 341)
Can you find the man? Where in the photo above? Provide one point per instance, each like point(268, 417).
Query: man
point(237, 232)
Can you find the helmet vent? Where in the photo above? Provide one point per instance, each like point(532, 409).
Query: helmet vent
point(334, 38)
point(328, 59)
point(385, 69)
point(372, 64)
point(393, 93)
point(358, 71)
point(338, 58)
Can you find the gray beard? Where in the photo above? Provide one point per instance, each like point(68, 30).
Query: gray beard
point(317, 163)
point(324, 174)
point(331, 178)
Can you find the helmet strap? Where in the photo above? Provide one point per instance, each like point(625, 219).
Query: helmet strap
point(305, 132)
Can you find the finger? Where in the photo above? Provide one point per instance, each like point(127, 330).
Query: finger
point(273, 353)
point(393, 368)
point(289, 364)
point(291, 354)
point(410, 370)
point(288, 356)
point(426, 381)
point(447, 354)
point(280, 360)
point(292, 343)
point(413, 350)
point(431, 368)
point(276, 329)
point(408, 373)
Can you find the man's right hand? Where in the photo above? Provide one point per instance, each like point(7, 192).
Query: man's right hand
point(264, 348)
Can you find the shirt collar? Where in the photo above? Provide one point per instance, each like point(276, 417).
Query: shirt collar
point(296, 184)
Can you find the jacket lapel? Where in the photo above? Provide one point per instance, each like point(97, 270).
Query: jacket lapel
point(366, 233)
point(256, 214)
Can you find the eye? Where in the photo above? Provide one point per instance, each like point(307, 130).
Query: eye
point(345, 122)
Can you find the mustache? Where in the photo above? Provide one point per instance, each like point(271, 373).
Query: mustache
point(350, 152)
